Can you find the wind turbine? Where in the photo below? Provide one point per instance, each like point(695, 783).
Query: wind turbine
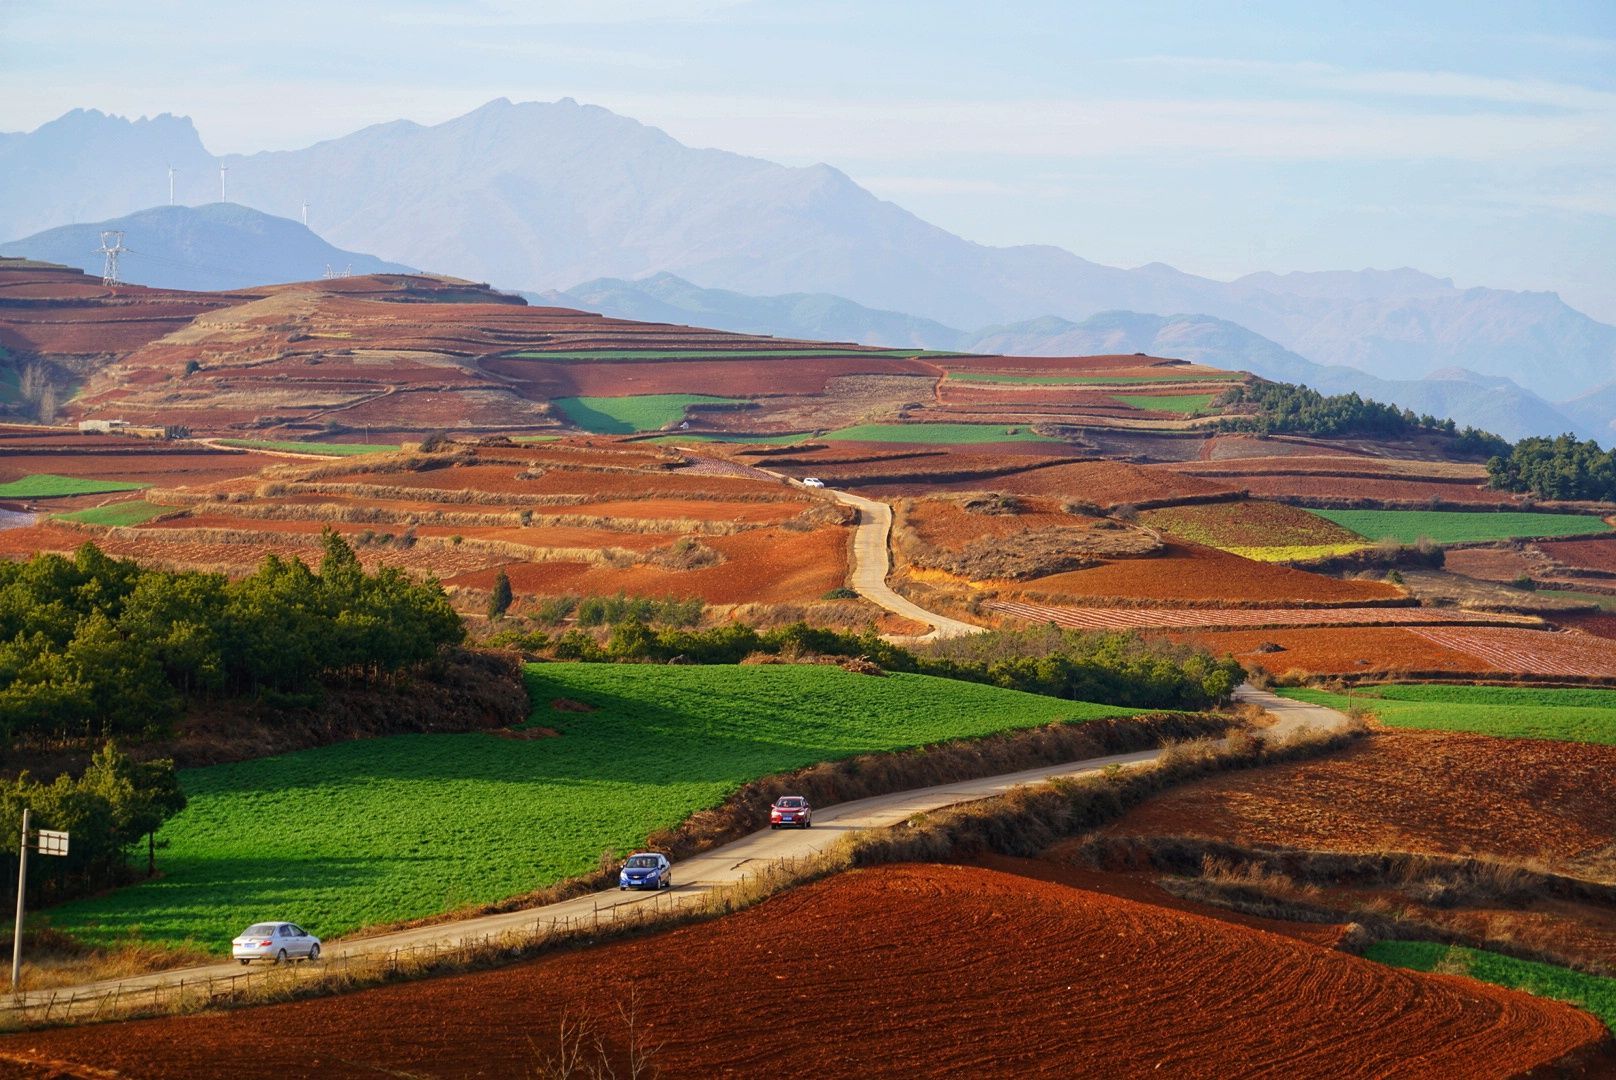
point(305, 213)
point(171, 171)
point(223, 168)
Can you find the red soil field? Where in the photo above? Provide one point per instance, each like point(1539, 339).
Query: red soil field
point(900, 971)
point(1321, 461)
point(947, 525)
point(1303, 486)
point(770, 377)
point(1406, 791)
point(1598, 554)
point(1190, 573)
point(1108, 483)
point(163, 464)
point(1383, 650)
point(766, 566)
point(1109, 364)
point(1114, 618)
point(1491, 564)
point(1536, 652)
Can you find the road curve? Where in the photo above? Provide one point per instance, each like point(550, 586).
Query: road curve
point(695, 876)
point(872, 562)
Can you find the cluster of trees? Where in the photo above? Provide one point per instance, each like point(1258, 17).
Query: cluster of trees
point(94, 646)
point(108, 810)
point(1286, 409)
point(1113, 668)
point(1562, 468)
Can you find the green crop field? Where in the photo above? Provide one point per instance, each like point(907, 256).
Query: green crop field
point(627, 415)
point(631, 355)
point(380, 830)
point(1461, 526)
point(1594, 993)
point(1510, 712)
point(1176, 403)
point(46, 486)
point(1096, 380)
point(134, 512)
point(940, 434)
point(731, 437)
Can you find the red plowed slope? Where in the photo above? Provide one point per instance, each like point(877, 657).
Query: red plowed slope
point(903, 971)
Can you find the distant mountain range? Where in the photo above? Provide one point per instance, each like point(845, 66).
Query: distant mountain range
point(219, 246)
point(1494, 404)
point(543, 195)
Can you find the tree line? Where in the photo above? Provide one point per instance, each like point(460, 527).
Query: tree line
point(1110, 668)
point(1562, 468)
point(92, 646)
point(1287, 409)
point(107, 811)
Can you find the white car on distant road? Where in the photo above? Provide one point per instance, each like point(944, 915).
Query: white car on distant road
point(813, 482)
point(277, 942)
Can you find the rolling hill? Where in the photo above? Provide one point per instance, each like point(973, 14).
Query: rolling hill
point(216, 247)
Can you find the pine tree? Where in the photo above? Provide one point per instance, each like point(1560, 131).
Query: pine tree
point(499, 601)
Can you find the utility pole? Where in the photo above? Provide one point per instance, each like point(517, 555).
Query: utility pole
point(22, 884)
point(50, 843)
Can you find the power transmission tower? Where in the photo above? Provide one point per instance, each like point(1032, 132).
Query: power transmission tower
point(111, 247)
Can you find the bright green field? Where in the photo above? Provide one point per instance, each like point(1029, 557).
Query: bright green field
point(1510, 712)
point(1095, 380)
point(1461, 526)
point(714, 354)
point(380, 830)
point(1179, 403)
point(134, 512)
point(333, 449)
point(627, 415)
point(942, 434)
point(759, 440)
point(46, 486)
point(1591, 992)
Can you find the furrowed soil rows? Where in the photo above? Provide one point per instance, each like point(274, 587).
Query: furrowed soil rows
point(1569, 653)
point(1371, 650)
point(1189, 573)
point(1248, 524)
point(1233, 618)
point(1406, 791)
point(1048, 981)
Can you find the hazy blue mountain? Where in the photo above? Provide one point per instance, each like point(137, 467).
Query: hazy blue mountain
point(541, 195)
point(218, 246)
point(815, 316)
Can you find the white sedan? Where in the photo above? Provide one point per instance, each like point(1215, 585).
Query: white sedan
point(275, 941)
point(813, 482)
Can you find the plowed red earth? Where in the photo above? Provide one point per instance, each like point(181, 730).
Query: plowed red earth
point(157, 464)
point(1387, 491)
point(1109, 483)
point(1597, 554)
point(1336, 650)
point(751, 378)
point(1406, 791)
point(1134, 618)
point(1536, 652)
point(902, 971)
point(1187, 572)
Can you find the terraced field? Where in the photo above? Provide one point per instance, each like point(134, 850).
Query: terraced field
point(1572, 654)
point(1458, 526)
point(45, 486)
point(1509, 712)
point(634, 413)
point(1163, 618)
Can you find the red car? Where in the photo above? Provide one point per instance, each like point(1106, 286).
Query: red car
point(791, 811)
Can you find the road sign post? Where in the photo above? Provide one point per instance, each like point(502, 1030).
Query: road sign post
point(51, 842)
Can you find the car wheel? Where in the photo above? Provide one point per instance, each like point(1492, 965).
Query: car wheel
point(314, 954)
point(244, 963)
point(280, 957)
point(622, 888)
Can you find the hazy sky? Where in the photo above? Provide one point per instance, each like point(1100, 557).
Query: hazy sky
point(1474, 140)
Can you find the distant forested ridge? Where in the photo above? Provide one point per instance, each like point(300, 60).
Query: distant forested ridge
point(94, 646)
point(1561, 468)
point(1286, 409)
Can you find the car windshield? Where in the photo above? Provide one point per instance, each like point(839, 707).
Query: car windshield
point(642, 862)
point(262, 929)
point(790, 802)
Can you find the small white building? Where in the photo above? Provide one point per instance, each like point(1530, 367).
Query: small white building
point(104, 427)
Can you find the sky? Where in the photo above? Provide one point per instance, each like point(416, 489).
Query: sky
point(1472, 140)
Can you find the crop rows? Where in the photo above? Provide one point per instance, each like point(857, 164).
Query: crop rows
point(1235, 618)
point(1569, 653)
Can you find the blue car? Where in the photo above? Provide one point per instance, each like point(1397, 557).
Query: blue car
point(646, 870)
